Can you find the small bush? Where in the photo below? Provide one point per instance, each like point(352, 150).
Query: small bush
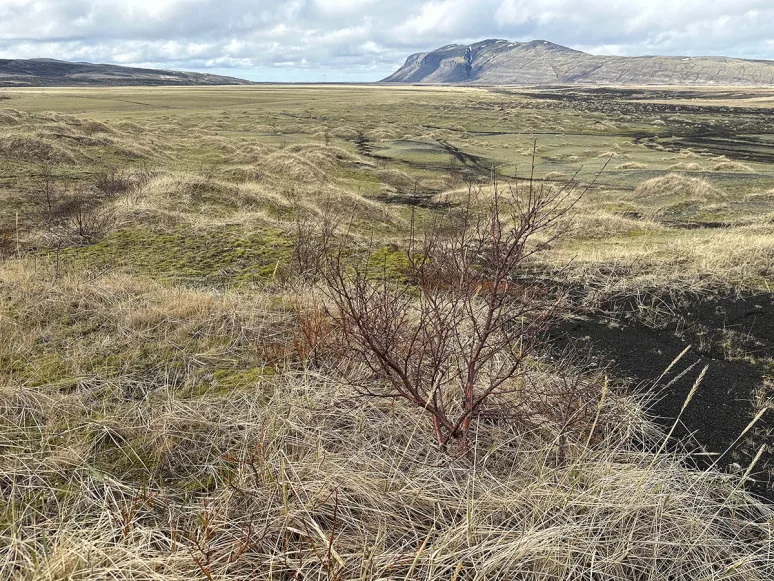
point(81, 214)
point(112, 183)
point(84, 217)
point(454, 334)
point(313, 240)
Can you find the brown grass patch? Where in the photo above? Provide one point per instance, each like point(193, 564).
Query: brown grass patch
point(397, 179)
point(732, 166)
point(11, 116)
point(632, 165)
point(290, 167)
point(602, 225)
point(685, 167)
point(34, 149)
point(677, 186)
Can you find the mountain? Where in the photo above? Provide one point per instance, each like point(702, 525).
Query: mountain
point(501, 62)
point(52, 73)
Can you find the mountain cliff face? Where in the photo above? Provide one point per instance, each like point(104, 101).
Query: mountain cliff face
point(500, 62)
point(49, 72)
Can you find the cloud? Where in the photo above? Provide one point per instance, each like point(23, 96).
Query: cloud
point(365, 39)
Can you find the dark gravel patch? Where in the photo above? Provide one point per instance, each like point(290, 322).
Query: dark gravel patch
point(733, 337)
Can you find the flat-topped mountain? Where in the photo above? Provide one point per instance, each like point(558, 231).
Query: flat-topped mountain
point(501, 62)
point(50, 72)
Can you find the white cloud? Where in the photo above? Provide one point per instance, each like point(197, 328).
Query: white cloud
point(343, 8)
point(366, 39)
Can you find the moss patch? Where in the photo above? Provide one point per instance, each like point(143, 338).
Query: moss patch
point(228, 256)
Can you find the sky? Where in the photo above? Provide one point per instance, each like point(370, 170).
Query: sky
point(365, 40)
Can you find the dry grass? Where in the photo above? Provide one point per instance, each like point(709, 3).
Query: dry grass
point(679, 188)
point(685, 167)
point(152, 431)
point(288, 474)
point(30, 148)
point(725, 165)
point(632, 165)
point(483, 193)
point(300, 486)
point(397, 179)
point(294, 168)
point(599, 224)
point(383, 134)
point(64, 139)
point(125, 331)
point(11, 116)
point(246, 182)
point(208, 198)
point(675, 260)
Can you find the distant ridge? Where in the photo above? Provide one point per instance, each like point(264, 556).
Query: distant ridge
point(52, 73)
point(539, 62)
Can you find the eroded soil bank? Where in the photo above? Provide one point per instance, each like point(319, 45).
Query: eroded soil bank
point(733, 336)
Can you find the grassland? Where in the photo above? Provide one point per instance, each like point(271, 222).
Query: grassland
point(163, 415)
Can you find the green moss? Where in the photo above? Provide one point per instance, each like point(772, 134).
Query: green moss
point(389, 261)
point(362, 182)
point(126, 461)
point(224, 381)
point(620, 207)
point(226, 256)
point(640, 233)
point(228, 379)
point(42, 368)
point(199, 485)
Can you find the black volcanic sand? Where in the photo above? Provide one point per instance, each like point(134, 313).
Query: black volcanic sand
point(722, 407)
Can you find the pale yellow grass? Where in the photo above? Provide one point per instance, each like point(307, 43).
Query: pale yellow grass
point(742, 257)
point(679, 187)
point(289, 473)
point(685, 167)
point(732, 166)
point(590, 223)
point(305, 480)
point(65, 139)
point(280, 183)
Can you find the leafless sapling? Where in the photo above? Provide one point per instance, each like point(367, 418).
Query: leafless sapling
point(454, 334)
